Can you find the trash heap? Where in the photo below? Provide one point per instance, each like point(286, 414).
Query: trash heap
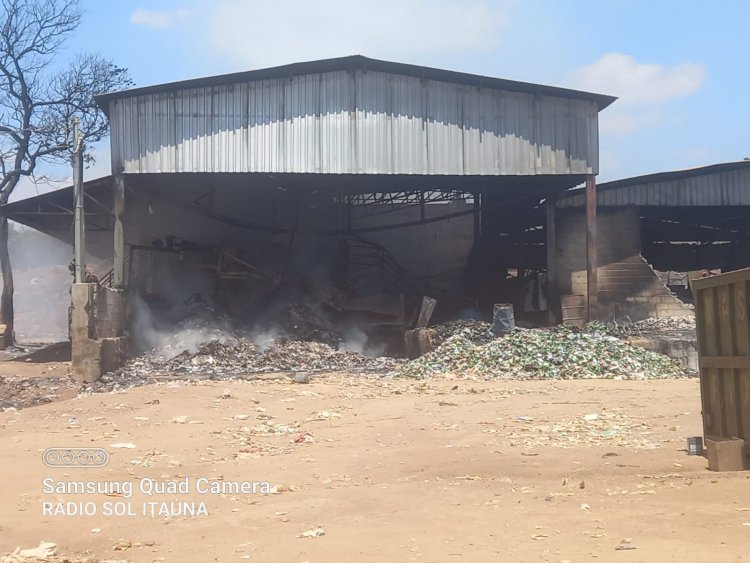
point(242, 355)
point(555, 353)
point(647, 328)
point(477, 332)
point(229, 356)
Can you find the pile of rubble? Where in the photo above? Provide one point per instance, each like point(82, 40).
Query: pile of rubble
point(478, 332)
point(243, 355)
point(227, 356)
point(647, 328)
point(556, 353)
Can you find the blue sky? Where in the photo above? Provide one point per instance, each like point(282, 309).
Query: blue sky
point(679, 68)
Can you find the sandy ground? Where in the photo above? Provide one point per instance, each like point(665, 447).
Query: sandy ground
point(448, 470)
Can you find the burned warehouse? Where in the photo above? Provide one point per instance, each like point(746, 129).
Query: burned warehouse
point(328, 199)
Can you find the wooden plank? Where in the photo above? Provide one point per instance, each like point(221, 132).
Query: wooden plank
point(700, 308)
point(742, 348)
point(723, 279)
point(725, 362)
point(728, 383)
point(591, 249)
point(425, 311)
point(710, 389)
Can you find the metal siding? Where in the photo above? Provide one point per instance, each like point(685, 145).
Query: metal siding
point(718, 189)
point(354, 122)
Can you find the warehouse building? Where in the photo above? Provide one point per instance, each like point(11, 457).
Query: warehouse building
point(357, 184)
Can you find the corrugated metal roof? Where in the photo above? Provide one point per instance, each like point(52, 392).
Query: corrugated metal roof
point(723, 184)
point(358, 62)
point(353, 122)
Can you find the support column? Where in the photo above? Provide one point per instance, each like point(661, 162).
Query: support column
point(118, 187)
point(592, 288)
point(477, 216)
point(79, 217)
point(553, 291)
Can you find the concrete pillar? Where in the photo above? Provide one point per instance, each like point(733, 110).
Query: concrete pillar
point(97, 326)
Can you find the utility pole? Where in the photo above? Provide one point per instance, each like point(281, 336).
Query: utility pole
point(79, 219)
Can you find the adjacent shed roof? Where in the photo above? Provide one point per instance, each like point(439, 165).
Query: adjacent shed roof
point(358, 62)
point(723, 184)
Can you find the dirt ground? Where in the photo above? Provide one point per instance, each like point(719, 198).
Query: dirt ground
point(390, 470)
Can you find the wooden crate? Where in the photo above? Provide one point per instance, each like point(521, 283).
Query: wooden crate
point(573, 310)
point(725, 454)
point(723, 326)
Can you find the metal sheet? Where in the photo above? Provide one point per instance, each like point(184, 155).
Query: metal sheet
point(354, 122)
point(721, 186)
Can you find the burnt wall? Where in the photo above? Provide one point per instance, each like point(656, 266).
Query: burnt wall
point(628, 286)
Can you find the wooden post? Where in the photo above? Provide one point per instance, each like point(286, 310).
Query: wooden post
point(553, 291)
point(592, 291)
point(118, 197)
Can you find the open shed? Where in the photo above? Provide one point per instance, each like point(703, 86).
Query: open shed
point(355, 183)
point(681, 221)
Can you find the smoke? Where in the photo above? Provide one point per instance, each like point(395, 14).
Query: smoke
point(42, 285)
point(144, 333)
point(173, 309)
point(356, 340)
point(168, 335)
point(264, 339)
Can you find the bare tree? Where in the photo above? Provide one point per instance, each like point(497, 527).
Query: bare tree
point(38, 99)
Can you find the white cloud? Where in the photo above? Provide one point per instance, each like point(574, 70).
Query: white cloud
point(643, 89)
point(638, 83)
point(159, 19)
point(265, 33)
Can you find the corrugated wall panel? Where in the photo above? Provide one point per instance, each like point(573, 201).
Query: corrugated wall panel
point(354, 122)
point(718, 189)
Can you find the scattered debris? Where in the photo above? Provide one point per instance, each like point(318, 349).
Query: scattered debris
point(303, 437)
point(122, 545)
point(312, 533)
point(17, 392)
point(228, 355)
point(302, 377)
point(625, 545)
point(44, 550)
point(477, 332)
point(647, 328)
point(123, 445)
